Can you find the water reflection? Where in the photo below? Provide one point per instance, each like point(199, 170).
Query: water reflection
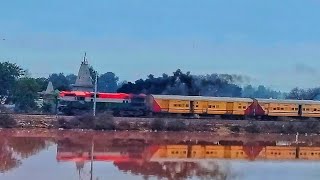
point(160, 155)
point(14, 149)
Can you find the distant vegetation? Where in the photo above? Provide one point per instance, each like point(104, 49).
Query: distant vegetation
point(19, 88)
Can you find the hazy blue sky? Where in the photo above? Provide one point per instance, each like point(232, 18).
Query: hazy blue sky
point(275, 42)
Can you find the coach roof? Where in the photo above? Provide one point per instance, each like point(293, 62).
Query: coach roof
point(202, 98)
point(288, 101)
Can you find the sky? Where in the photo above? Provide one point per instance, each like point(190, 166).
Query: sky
point(275, 43)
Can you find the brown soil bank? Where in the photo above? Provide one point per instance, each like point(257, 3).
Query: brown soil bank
point(107, 122)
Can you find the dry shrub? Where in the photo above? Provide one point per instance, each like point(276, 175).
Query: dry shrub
point(87, 121)
point(104, 122)
point(252, 128)
point(176, 125)
point(7, 121)
point(235, 128)
point(158, 124)
point(123, 125)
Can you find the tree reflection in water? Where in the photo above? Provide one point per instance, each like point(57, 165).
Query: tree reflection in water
point(14, 149)
point(176, 170)
point(7, 159)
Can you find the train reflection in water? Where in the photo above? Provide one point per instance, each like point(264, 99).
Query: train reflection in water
point(118, 151)
point(181, 160)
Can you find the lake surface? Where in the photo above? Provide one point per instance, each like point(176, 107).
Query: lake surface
point(53, 154)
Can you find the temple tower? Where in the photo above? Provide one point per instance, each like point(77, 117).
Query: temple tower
point(84, 80)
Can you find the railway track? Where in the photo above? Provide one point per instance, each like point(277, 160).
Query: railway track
point(148, 118)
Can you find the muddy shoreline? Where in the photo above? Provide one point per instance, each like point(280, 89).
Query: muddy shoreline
point(191, 125)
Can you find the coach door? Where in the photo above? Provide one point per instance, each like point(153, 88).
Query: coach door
point(300, 110)
point(229, 107)
point(192, 105)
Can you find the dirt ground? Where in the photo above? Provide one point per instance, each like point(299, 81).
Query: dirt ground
point(194, 125)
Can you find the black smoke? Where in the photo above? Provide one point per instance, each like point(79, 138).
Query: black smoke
point(180, 83)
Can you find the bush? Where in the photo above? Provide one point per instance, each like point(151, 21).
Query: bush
point(101, 122)
point(200, 126)
point(176, 125)
point(104, 122)
point(6, 121)
point(252, 128)
point(63, 123)
point(86, 121)
point(289, 129)
point(158, 124)
point(235, 129)
point(123, 125)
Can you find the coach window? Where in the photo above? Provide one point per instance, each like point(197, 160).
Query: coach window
point(282, 108)
point(187, 105)
point(304, 109)
point(278, 108)
point(244, 107)
point(239, 107)
point(315, 109)
point(308, 109)
point(210, 106)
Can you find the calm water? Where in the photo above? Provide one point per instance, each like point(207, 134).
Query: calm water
point(51, 155)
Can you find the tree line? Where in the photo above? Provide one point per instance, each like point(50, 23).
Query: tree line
point(21, 89)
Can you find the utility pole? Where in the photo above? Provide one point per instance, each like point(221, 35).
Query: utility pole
point(95, 95)
point(91, 166)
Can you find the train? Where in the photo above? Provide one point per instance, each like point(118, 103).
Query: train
point(137, 105)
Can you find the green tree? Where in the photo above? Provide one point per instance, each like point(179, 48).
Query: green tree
point(60, 82)
point(71, 78)
point(26, 92)
point(9, 73)
point(42, 82)
point(108, 82)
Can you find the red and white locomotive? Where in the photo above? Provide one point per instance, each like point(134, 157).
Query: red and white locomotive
point(122, 104)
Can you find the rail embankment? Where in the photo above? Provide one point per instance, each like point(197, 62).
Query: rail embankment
point(107, 122)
